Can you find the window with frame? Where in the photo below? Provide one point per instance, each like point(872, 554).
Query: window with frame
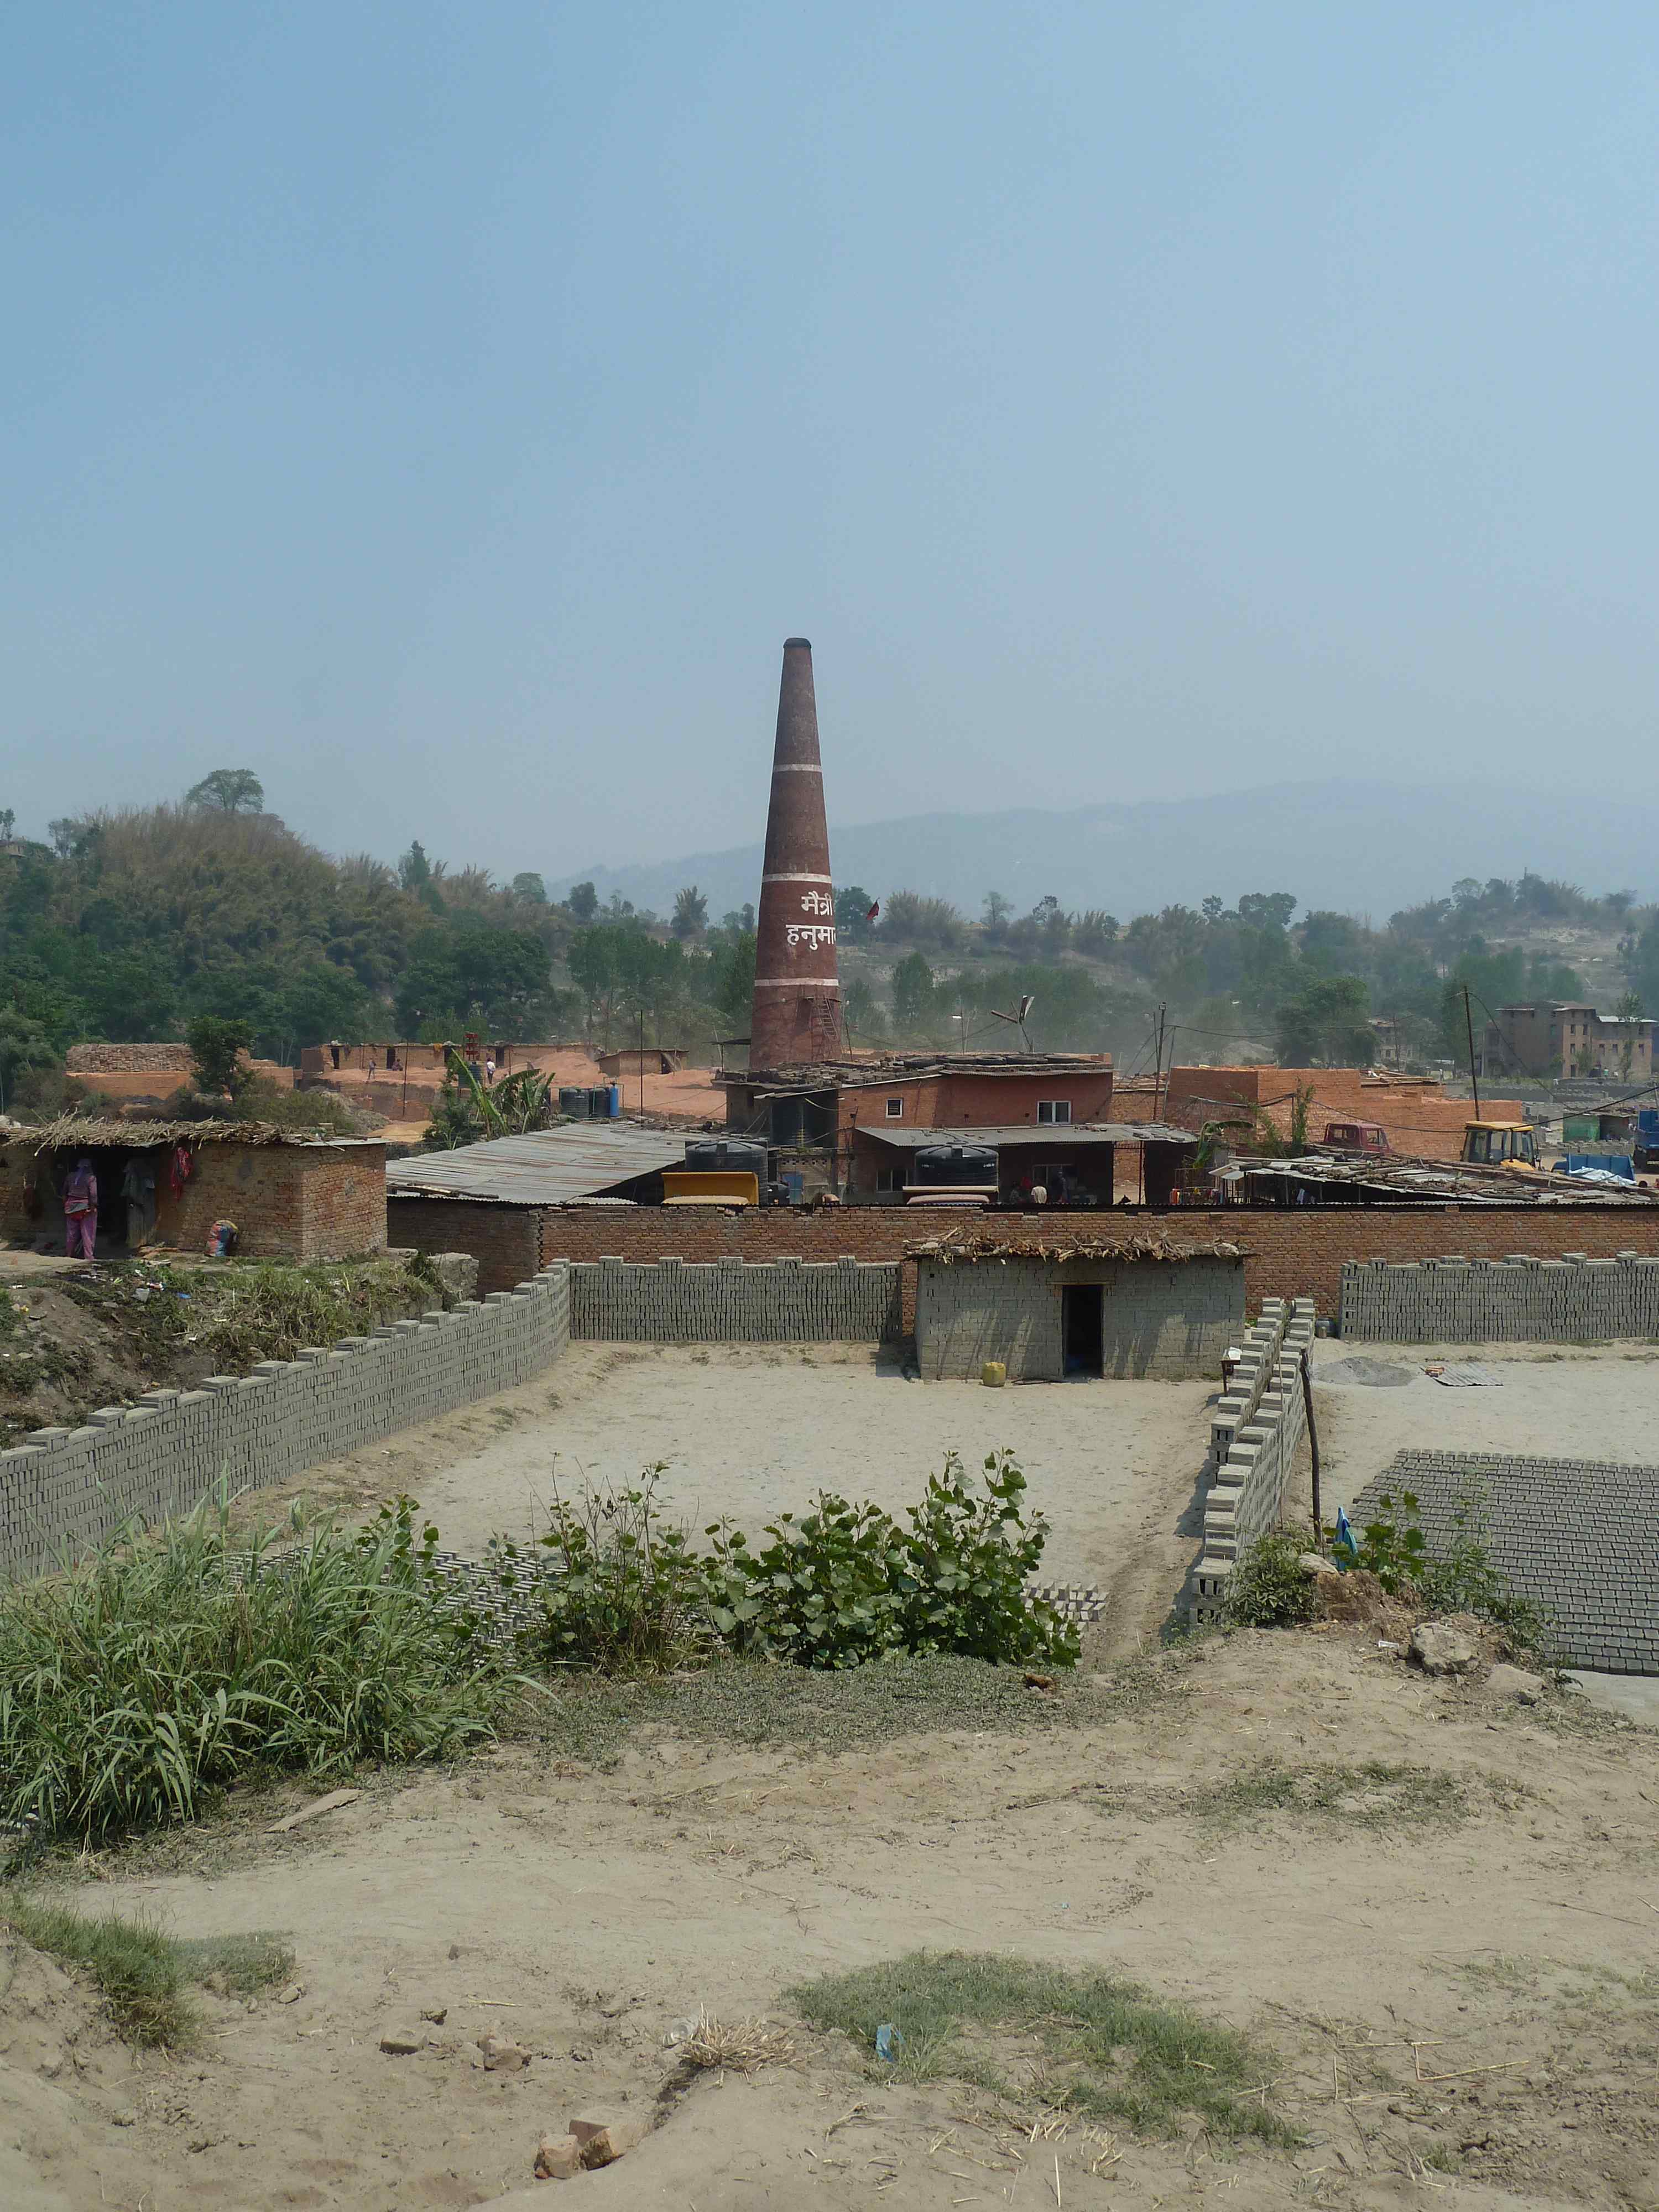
point(896, 1110)
point(889, 1180)
point(1052, 1110)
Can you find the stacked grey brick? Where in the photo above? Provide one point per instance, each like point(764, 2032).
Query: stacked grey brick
point(1255, 1435)
point(1577, 1538)
point(66, 1489)
point(733, 1302)
point(1574, 1300)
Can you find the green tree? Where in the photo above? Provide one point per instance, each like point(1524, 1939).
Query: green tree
point(853, 905)
point(913, 991)
point(1324, 1025)
point(583, 901)
point(591, 960)
point(733, 980)
point(529, 887)
point(227, 791)
point(214, 1048)
point(691, 913)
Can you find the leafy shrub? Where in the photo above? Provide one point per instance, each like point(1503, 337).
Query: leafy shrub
point(844, 1583)
point(631, 1597)
point(160, 1670)
point(1268, 1587)
point(1459, 1579)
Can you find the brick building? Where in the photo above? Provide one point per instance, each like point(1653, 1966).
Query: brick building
point(1555, 1038)
point(815, 1119)
point(291, 1196)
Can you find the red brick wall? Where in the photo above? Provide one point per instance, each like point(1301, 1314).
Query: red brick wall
point(501, 1238)
point(287, 1201)
point(1291, 1254)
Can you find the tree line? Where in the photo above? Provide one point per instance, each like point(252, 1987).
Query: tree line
point(128, 925)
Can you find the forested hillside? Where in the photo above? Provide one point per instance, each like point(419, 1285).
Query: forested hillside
point(124, 924)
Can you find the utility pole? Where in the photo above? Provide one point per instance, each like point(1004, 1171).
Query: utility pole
point(641, 1059)
point(1157, 1063)
point(1468, 1024)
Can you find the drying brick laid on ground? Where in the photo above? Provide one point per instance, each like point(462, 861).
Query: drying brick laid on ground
point(1579, 1538)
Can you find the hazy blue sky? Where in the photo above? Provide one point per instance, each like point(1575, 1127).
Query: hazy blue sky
point(447, 411)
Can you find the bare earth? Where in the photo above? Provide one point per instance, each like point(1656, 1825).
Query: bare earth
point(1492, 1899)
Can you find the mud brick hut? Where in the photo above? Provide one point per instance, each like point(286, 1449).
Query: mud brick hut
point(1070, 1308)
point(291, 1195)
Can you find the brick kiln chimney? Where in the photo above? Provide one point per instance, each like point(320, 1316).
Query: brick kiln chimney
point(796, 1016)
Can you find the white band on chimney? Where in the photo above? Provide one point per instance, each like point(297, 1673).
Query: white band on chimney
point(797, 767)
point(783, 876)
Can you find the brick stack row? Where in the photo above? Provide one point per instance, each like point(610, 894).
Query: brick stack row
point(1519, 1299)
point(728, 1302)
point(1256, 1433)
point(64, 1490)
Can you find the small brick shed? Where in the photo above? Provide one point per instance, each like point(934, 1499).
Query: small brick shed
point(1150, 1307)
point(292, 1196)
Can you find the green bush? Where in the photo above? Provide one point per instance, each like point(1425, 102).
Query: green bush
point(843, 1585)
point(1268, 1587)
point(1461, 1578)
point(160, 1670)
point(630, 1597)
point(846, 1584)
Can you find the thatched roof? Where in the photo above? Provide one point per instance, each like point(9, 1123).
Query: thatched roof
point(962, 1246)
point(88, 1132)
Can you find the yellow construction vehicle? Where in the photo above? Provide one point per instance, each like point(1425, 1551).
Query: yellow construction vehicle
point(717, 1188)
point(1509, 1145)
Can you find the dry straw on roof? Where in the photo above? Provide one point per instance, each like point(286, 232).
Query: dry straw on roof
point(1062, 1244)
point(69, 1130)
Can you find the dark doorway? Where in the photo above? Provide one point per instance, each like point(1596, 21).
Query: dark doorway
point(1082, 1327)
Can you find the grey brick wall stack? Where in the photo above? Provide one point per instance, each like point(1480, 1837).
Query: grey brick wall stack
point(1168, 1319)
point(1572, 1300)
point(733, 1302)
point(66, 1489)
point(1254, 1435)
point(1578, 1538)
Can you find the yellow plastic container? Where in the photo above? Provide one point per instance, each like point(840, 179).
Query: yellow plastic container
point(993, 1373)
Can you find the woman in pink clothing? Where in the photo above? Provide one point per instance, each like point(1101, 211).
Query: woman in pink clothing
point(81, 1210)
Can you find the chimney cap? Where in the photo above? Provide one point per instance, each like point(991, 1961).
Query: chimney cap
point(806, 642)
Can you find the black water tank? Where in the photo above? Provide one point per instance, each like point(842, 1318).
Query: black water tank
point(725, 1156)
point(952, 1167)
point(573, 1102)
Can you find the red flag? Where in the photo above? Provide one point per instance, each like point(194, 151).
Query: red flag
point(873, 912)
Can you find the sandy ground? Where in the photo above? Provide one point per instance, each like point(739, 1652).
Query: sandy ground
point(748, 1432)
point(1512, 1940)
point(1554, 1402)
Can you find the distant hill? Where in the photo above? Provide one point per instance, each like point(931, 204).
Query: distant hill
point(1362, 848)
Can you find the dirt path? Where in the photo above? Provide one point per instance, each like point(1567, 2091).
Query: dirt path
point(1487, 1896)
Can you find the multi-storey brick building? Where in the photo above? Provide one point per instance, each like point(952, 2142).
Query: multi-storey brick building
point(1565, 1037)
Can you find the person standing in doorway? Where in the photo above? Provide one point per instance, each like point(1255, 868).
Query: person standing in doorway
point(81, 1210)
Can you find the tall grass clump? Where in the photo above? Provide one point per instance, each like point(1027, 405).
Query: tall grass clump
point(162, 1669)
point(141, 1971)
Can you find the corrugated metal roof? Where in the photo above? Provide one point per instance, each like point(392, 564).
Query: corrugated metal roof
point(550, 1167)
point(1059, 1133)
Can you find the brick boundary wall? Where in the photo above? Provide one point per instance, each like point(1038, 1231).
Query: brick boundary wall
point(1575, 1537)
point(785, 1301)
point(1172, 1320)
point(67, 1489)
point(1256, 1434)
point(1291, 1252)
point(1518, 1299)
point(502, 1239)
